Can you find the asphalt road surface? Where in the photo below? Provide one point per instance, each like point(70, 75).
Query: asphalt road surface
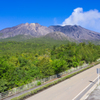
point(68, 89)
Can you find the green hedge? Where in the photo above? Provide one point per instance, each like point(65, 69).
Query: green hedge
point(23, 96)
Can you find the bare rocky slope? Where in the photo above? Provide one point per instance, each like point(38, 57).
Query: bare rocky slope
point(33, 29)
point(59, 36)
point(56, 32)
point(77, 32)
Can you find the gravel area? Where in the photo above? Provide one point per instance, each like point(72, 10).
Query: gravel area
point(95, 95)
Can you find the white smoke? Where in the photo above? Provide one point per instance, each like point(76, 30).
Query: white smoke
point(89, 19)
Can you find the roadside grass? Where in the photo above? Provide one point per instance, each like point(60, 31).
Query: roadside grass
point(26, 95)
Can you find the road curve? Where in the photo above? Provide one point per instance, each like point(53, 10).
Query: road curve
point(69, 88)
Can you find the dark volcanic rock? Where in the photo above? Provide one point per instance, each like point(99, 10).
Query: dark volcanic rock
point(77, 32)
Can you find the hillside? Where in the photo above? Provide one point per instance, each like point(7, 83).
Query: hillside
point(33, 30)
point(25, 58)
point(57, 36)
point(24, 62)
point(77, 32)
point(36, 30)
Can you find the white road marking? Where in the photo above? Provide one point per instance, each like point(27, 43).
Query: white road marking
point(84, 89)
point(89, 93)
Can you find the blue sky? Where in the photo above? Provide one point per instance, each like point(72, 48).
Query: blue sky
point(49, 12)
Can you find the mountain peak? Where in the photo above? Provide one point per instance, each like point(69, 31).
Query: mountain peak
point(77, 32)
point(26, 23)
point(33, 24)
point(32, 29)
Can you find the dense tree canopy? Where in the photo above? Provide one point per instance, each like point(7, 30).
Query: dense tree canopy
point(24, 62)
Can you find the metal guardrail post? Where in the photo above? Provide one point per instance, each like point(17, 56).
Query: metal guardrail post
point(15, 90)
point(0, 96)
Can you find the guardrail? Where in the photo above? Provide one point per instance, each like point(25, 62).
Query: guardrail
point(35, 83)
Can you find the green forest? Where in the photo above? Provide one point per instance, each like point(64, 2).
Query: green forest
point(23, 62)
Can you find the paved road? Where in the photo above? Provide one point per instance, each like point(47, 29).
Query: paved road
point(82, 95)
point(69, 88)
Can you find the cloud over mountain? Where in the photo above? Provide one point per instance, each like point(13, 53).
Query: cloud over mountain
point(89, 19)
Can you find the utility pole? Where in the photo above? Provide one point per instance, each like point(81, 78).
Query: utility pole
point(98, 72)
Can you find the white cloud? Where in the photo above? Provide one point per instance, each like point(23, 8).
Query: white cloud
point(89, 19)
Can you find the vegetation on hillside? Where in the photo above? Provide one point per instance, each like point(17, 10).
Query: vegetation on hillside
point(24, 62)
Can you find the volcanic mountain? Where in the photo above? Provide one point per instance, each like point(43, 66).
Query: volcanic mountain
point(33, 29)
point(56, 32)
point(77, 32)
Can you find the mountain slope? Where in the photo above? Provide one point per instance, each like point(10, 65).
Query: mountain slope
point(36, 30)
point(33, 29)
point(59, 36)
point(77, 32)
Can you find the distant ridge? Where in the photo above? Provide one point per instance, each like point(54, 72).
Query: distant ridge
point(56, 32)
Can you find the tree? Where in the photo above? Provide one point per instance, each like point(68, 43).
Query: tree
point(3, 85)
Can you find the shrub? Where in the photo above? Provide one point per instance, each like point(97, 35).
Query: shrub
point(38, 83)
